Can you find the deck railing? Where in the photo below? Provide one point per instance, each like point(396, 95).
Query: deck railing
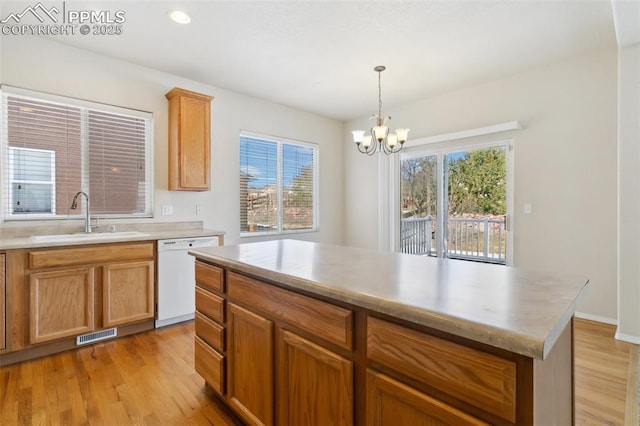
point(480, 239)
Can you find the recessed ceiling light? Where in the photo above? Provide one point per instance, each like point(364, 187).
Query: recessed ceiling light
point(179, 16)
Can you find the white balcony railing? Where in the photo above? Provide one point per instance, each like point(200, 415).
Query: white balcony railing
point(479, 239)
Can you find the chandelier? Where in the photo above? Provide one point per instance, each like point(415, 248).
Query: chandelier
point(380, 139)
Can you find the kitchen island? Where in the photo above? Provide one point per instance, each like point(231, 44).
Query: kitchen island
point(293, 332)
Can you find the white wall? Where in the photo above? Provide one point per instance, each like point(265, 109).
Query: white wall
point(565, 166)
point(629, 193)
point(48, 66)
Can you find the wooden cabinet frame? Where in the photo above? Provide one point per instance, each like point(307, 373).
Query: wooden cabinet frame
point(374, 360)
point(56, 294)
point(189, 140)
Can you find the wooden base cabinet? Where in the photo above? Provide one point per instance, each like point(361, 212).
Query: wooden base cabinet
point(61, 304)
point(127, 292)
point(315, 385)
point(297, 359)
point(210, 359)
point(56, 294)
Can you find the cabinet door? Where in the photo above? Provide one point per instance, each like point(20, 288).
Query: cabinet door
point(250, 374)
point(315, 385)
point(127, 292)
point(391, 403)
point(2, 303)
point(61, 304)
point(195, 145)
point(189, 140)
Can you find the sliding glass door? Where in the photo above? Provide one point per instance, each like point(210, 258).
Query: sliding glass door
point(454, 203)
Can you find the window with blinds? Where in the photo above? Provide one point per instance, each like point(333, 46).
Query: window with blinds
point(52, 147)
point(278, 185)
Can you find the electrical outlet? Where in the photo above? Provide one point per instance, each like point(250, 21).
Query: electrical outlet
point(198, 209)
point(167, 210)
point(528, 208)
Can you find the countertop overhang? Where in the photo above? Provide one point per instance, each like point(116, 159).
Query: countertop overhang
point(518, 310)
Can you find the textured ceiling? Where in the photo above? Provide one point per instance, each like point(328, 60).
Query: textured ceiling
point(319, 56)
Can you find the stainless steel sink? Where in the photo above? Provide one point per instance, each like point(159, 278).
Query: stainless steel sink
point(87, 237)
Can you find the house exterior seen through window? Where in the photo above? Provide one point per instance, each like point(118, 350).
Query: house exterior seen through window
point(32, 186)
point(52, 147)
point(278, 185)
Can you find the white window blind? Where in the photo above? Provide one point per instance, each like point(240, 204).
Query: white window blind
point(53, 147)
point(278, 185)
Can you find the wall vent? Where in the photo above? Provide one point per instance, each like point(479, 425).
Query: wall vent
point(94, 337)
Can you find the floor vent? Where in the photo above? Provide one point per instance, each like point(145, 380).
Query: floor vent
point(98, 335)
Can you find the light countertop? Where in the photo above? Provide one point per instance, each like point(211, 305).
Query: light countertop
point(518, 310)
point(160, 231)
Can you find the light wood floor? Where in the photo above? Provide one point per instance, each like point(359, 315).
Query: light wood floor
point(149, 379)
point(606, 377)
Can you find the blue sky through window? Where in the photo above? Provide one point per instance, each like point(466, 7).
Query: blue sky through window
point(259, 160)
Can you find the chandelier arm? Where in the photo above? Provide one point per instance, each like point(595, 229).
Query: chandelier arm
point(369, 151)
point(386, 148)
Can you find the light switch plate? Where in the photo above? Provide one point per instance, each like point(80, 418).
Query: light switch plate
point(167, 210)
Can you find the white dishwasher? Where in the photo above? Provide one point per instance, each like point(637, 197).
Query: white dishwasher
point(176, 279)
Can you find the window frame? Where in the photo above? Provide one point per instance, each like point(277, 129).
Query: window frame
point(6, 214)
point(421, 147)
point(280, 141)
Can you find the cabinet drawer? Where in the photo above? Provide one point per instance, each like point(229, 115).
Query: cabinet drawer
point(475, 377)
point(390, 402)
point(210, 305)
point(209, 277)
point(210, 332)
point(86, 255)
point(210, 365)
point(324, 320)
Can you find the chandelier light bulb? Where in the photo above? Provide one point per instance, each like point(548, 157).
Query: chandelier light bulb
point(403, 135)
point(357, 135)
point(366, 141)
point(380, 132)
point(392, 140)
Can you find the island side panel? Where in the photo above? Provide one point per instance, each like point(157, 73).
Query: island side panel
point(554, 399)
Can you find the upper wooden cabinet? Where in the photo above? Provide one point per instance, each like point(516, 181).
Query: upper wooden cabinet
point(189, 140)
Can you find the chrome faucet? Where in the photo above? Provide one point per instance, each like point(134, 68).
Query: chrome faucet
point(87, 216)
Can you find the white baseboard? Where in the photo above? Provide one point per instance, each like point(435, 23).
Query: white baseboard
point(628, 338)
point(597, 318)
